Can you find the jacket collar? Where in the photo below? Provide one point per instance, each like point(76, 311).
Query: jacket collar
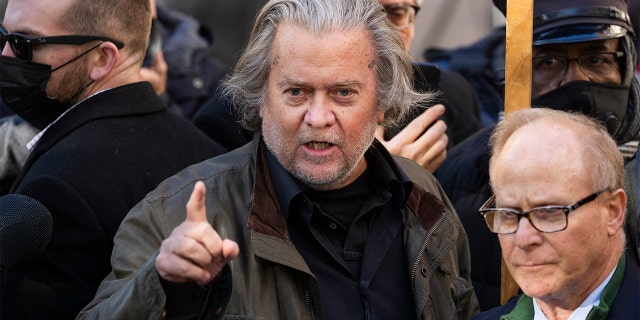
point(132, 99)
point(266, 215)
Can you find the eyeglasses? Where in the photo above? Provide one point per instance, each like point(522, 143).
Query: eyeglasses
point(594, 65)
point(402, 15)
point(22, 46)
point(544, 219)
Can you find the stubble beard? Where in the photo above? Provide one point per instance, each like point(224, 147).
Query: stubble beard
point(285, 152)
point(72, 82)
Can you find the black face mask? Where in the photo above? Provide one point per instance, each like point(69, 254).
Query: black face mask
point(23, 87)
point(605, 102)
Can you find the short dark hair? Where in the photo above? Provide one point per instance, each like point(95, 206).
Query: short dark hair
point(128, 21)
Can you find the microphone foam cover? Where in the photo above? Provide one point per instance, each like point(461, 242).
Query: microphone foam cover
point(25, 230)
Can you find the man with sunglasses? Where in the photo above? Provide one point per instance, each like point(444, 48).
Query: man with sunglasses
point(584, 60)
point(559, 210)
point(71, 68)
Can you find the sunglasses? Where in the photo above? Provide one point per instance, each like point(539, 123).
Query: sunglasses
point(22, 46)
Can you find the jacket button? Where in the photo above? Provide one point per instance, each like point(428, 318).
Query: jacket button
point(423, 272)
point(197, 83)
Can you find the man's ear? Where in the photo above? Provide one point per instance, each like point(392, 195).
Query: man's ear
point(616, 208)
point(105, 61)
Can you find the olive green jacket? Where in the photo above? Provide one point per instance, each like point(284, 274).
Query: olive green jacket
point(270, 279)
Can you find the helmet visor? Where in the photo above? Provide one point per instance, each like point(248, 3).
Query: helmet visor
point(578, 33)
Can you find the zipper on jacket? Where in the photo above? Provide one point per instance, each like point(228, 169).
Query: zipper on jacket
point(422, 248)
point(308, 304)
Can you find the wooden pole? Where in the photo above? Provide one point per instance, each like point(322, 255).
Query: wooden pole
point(517, 89)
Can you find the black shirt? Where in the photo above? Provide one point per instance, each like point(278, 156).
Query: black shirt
point(353, 244)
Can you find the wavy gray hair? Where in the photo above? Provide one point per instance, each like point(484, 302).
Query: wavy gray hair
point(246, 88)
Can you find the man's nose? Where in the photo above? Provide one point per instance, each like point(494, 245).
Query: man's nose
point(526, 235)
point(6, 51)
point(320, 112)
point(574, 72)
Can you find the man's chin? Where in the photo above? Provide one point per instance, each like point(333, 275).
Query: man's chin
point(320, 177)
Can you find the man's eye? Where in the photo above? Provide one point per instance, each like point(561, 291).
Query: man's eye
point(508, 214)
point(596, 60)
point(344, 95)
point(295, 91)
point(344, 92)
point(550, 61)
point(548, 212)
point(397, 12)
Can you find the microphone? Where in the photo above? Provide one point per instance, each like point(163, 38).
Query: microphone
point(25, 230)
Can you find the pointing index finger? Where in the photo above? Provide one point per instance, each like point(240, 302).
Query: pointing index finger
point(196, 211)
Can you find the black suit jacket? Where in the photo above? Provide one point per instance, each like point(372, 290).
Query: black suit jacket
point(89, 168)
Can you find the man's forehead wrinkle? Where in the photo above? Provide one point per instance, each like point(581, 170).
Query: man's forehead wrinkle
point(286, 81)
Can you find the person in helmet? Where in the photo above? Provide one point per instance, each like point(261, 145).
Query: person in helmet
point(583, 60)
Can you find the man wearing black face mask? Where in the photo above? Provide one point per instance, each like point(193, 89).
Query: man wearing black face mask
point(23, 85)
point(583, 60)
point(71, 68)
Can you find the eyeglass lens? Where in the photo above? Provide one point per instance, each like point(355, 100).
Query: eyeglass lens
point(594, 65)
point(21, 49)
point(401, 15)
point(544, 219)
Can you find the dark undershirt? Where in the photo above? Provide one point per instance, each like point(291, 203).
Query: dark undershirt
point(342, 204)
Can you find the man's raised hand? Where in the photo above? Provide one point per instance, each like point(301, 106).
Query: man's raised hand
point(194, 251)
point(427, 147)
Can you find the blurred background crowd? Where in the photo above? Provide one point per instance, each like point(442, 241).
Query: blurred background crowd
point(440, 24)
